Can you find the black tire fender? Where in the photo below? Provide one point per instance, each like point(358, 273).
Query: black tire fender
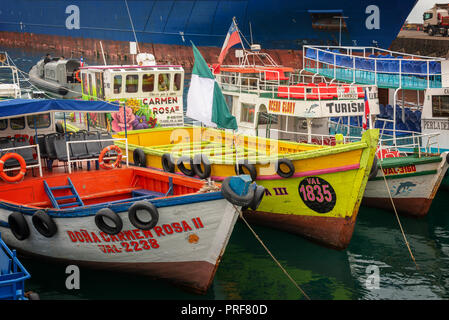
point(232, 197)
point(258, 196)
point(150, 208)
point(167, 163)
point(374, 169)
point(44, 224)
point(289, 164)
point(248, 166)
point(198, 160)
point(19, 226)
point(112, 217)
point(182, 167)
point(139, 158)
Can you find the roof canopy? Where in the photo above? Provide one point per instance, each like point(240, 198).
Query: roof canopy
point(23, 107)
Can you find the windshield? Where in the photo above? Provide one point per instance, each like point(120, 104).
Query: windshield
point(427, 16)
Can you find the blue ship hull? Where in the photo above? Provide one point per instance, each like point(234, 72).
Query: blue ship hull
point(274, 24)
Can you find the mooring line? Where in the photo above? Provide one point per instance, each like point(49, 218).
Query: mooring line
point(397, 216)
point(269, 252)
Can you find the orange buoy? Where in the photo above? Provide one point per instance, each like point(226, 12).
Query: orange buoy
point(23, 167)
point(115, 163)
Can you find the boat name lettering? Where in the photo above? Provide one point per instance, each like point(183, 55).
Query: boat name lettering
point(345, 107)
point(287, 107)
point(167, 100)
point(401, 170)
point(317, 194)
point(139, 239)
point(436, 124)
point(277, 192)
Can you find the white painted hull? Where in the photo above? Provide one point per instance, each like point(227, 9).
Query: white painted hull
point(194, 234)
point(412, 194)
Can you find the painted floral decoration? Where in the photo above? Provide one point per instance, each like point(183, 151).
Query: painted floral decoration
point(140, 122)
point(118, 119)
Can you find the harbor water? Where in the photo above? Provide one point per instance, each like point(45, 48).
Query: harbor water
point(376, 265)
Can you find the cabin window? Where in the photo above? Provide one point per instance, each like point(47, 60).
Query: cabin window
point(85, 85)
point(148, 83)
point(3, 124)
point(132, 83)
point(177, 82)
point(247, 112)
point(41, 120)
point(164, 82)
point(17, 123)
point(117, 84)
point(228, 99)
point(91, 88)
point(440, 106)
point(99, 85)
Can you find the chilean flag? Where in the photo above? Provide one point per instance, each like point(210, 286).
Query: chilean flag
point(232, 38)
point(366, 113)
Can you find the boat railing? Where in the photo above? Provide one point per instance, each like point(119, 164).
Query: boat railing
point(306, 91)
point(304, 137)
point(12, 282)
point(69, 161)
point(415, 143)
point(416, 72)
point(28, 166)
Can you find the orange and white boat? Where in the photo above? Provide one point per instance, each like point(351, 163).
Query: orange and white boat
point(116, 217)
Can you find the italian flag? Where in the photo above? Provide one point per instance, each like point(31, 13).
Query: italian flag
point(205, 101)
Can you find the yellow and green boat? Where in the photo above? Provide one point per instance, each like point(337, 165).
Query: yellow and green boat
point(310, 190)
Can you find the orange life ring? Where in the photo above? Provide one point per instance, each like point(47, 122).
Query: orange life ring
point(116, 162)
point(77, 76)
point(23, 167)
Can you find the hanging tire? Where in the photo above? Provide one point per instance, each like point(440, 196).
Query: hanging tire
point(198, 160)
point(182, 167)
point(113, 217)
point(249, 167)
point(374, 169)
point(44, 224)
point(258, 196)
point(167, 163)
point(150, 209)
point(289, 164)
point(139, 158)
point(234, 198)
point(19, 226)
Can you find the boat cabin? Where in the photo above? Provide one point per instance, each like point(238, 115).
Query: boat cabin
point(62, 71)
point(269, 99)
point(152, 95)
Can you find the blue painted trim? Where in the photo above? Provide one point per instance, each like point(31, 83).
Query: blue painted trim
point(4, 224)
point(116, 206)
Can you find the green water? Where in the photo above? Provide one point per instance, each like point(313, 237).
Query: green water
point(248, 272)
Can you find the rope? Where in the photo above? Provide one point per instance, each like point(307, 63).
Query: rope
point(397, 217)
point(132, 25)
point(271, 255)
